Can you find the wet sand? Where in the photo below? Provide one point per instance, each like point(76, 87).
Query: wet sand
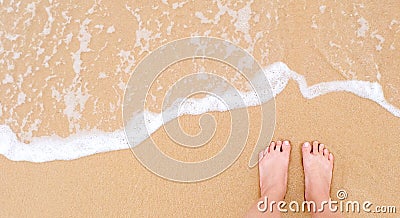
point(115, 184)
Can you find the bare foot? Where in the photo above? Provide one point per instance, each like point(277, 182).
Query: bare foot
point(273, 168)
point(318, 166)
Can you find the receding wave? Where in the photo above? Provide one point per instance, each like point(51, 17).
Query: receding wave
point(50, 148)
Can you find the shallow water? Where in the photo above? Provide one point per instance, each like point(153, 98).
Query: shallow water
point(49, 148)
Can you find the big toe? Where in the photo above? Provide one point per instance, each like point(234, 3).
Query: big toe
point(306, 149)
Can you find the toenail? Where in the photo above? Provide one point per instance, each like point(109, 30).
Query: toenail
point(285, 142)
point(306, 144)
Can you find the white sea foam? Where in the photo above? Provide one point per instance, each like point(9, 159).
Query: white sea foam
point(50, 148)
point(84, 40)
point(364, 27)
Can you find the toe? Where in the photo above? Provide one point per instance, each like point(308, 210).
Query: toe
point(330, 158)
point(260, 155)
point(286, 146)
point(306, 148)
point(315, 147)
point(278, 146)
point(270, 148)
point(321, 149)
point(326, 153)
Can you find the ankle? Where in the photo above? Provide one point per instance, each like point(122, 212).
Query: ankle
point(273, 194)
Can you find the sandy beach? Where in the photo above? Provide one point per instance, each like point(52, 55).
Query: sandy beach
point(322, 41)
point(115, 184)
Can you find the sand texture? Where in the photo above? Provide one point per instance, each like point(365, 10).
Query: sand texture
point(64, 67)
